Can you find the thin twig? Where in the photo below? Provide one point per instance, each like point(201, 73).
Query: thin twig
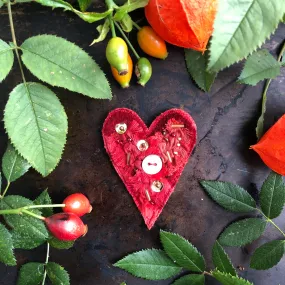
point(47, 258)
point(127, 40)
point(15, 40)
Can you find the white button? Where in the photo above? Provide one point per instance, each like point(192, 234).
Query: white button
point(152, 164)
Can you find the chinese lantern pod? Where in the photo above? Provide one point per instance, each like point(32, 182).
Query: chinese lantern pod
point(271, 147)
point(184, 23)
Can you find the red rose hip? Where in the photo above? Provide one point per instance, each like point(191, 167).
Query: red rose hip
point(66, 226)
point(77, 204)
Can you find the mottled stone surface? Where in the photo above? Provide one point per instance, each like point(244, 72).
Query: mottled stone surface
point(226, 119)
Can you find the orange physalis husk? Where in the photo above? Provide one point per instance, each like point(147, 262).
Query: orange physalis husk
point(184, 23)
point(271, 147)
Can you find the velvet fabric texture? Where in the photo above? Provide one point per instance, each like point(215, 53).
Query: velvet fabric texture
point(171, 136)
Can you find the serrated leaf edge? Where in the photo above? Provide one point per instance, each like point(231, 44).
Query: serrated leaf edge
point(90, 57)
point(226, 256)
point(197, 251)
point(144, 250)
point(209, 68)
point(231, 276)
point(12, 142)
point(225, 182)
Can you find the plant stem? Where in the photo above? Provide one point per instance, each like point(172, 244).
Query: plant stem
point(19, 211)
point(264, 96)
point(15, 40)
point(45, 206)
point(33, 215)
point(207, 273)
point(127, 40)
point(136, 25)
point(270, 221)
point(110, 4)
point(112, 26)
point(47, 258)
point(6, 189)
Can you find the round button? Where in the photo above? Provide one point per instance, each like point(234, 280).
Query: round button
point(152, 164)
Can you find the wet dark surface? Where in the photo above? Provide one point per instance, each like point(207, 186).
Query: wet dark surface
point(225, 117)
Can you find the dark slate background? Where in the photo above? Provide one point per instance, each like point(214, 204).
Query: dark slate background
point(226, 119)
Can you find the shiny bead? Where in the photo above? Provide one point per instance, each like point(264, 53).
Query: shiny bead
point(152, 164)
point(121, 128)
point(179, 139)
point(178, 144)
point(142, 145)
point(156, 186)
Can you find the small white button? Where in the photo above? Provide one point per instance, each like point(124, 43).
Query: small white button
point(152, 164)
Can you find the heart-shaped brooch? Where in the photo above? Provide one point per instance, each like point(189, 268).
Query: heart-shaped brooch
point(149, 160)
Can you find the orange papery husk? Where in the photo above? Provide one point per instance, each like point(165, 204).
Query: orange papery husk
point(271, 147)
point(184, 23)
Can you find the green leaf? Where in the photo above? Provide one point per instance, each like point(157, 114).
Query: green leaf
point(6, 247)
point(24, 240)
point(89, 17)
point(268, 255)
point(196, 63)
point(193, 279)
point(227, 279)
point(6, 58)
point(84, 4)
point(221, 260)
point(230, 196)
point(57, 274)
point(26, 226)
point(0, 181)
point(44, 199)
point(128, 7)
point(126, 23)
point(151, 264)
point(259, 66)
point(1, 3)
point(272, 196)
point(182, 252)
point(59, 244)
point(31, 274)
point(61, 63)
point(242, 232)
point(241, 26)
point(260, 122)
point(13, 164)
point(103, 31)
point(37, 125)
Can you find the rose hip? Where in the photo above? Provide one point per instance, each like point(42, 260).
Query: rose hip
point(66, 226)
point(77, 204)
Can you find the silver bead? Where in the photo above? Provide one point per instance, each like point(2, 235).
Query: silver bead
point(142, 145)
point(156, 186)
point(121, 128)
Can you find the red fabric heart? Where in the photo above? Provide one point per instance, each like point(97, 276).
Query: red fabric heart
point(171, 137)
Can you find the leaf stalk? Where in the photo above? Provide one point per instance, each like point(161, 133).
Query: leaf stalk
point(47, 258)
point(271, 222)
point(15, 40)
point(127, 40)
point(25, 210)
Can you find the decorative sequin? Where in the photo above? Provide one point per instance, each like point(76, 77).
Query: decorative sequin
point(156, 186)
point(121, 128)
